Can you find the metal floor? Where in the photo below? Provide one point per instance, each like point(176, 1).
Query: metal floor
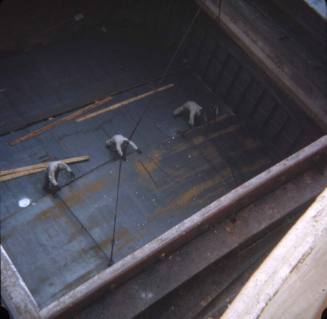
point(70, 72)
point(60, 241)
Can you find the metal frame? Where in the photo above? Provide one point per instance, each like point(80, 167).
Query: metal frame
point(306, 95)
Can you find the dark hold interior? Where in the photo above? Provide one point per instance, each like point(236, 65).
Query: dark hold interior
point(58, 59)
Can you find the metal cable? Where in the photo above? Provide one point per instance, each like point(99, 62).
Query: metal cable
point(113, 241)
point(82, 225)
point(164, 74)
point(146, 108)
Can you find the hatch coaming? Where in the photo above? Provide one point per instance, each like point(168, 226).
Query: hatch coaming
point(70, 234)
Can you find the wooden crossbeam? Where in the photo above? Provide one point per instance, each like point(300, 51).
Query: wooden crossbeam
point(61, 121)
point(9, 174)
point(125, 102)
point(19, 174)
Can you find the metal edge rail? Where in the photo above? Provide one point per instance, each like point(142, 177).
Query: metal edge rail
point(186, 230)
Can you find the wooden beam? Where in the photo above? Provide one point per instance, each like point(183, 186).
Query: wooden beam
point(61, 121)
point(293, 278)
point(242, 24)
point(125, 102)
point(36, 168)
point(20, 174)
point(14, 291)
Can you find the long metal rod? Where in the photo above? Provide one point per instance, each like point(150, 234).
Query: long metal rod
point(189, 228)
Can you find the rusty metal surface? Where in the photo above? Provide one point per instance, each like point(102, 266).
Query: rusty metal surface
point(234, 234)
point(88, 137)
point(161, 188)
point(189, 228)
point(49, 249)
point(169, 182)
point(173, 178)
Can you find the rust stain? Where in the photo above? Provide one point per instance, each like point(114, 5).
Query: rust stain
point(178, 147)
point(211, 152)
point(58, 210)
point(199, 139)
point(151, 163)
point(156, 155)
point(85, 191)
point(185, 198)
point(105, 242)
point(140, 169)
point(154, 161)
point(123, 238)
point(45, 213)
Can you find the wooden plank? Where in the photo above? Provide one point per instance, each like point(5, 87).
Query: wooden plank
point(189, 228)
point(8, 177)
point(14, 292)
point(31, 169)
point(311, 288)
point(270, 54)
point(44, 165)
point(61, 121)
point(125, 102)
point(275, 289)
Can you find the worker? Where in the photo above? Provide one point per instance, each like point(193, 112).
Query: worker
point(120, 144)
point(193, 109)
point(54, 167)
point(196, 114)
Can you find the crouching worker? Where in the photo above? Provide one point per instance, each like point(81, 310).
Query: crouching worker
point(193, 110)
point(197, 115)
point(119, 144)
point(54, 168)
